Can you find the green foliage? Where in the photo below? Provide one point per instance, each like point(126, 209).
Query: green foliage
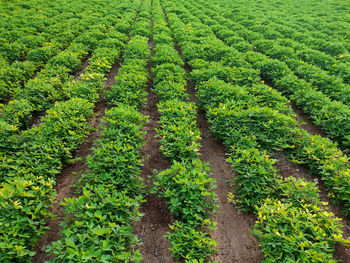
point(90, 86)
point(329, 85)
point(332, 116)
point(166, 54)
point(239, 116)
point(41, 55)
point(296, 234)
point(214, 92)
point(130, 85)
point(177, 130)
point(325, 159)
point(99, 222)
point(8, 137)
point(271, 129)
point(17, 112)
point(24, 206)
point(169, 72)
point(137, 49)
point(272, 70)
point(188, 189)
point(256, 177)
point(27, 189)
point(187, 185)
point(102, 59)
point(98, 226)
point(69, 59)
point(233, 75)
point(169, 82)
point(189, 243)
point(14, 76)
point(100, 230)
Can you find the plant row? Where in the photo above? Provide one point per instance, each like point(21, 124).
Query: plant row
point(25, 29)
point(14, 76)
point(30, 161)
point(187, 185)
point(251, 119)
point(301, 28)
point(319, 154)
point(332, 116)
point(262, 40)
point(49, 84)
point(56, 82)
point(99, 221)
point(288, 42)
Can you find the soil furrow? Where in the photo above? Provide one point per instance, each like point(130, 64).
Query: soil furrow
point(235, 242)
point(306, 122)
point(155, 222)
point(70, 174)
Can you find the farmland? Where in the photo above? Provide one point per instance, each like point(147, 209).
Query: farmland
point(174, 131)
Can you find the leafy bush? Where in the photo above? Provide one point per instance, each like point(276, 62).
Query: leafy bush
point(17, 112)
point(256, 177)
point(41, 55)
point(188, 189)
point(325, 159)
point(137, 49)
point(166, 54)
point(169, 89)
point(189, 243)
point(130, 85)
point(23, 212)
point(288, 233)
point(169, 72)
point(270, 128)
point(177, 130)
point(233, 75)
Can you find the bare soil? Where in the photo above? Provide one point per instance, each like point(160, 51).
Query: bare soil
point(156, 220)
point(70, 175)
point(235, 242)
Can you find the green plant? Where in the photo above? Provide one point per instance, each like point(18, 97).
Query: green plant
point(17, 112)
point(188, 189)
point(190, 244)
point(296, 234)
point(178, 132)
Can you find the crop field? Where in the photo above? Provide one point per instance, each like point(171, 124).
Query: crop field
point(165, 131)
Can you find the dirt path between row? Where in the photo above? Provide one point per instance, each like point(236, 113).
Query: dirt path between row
point(155, 222)
point(69, 176)
point(235, 242)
